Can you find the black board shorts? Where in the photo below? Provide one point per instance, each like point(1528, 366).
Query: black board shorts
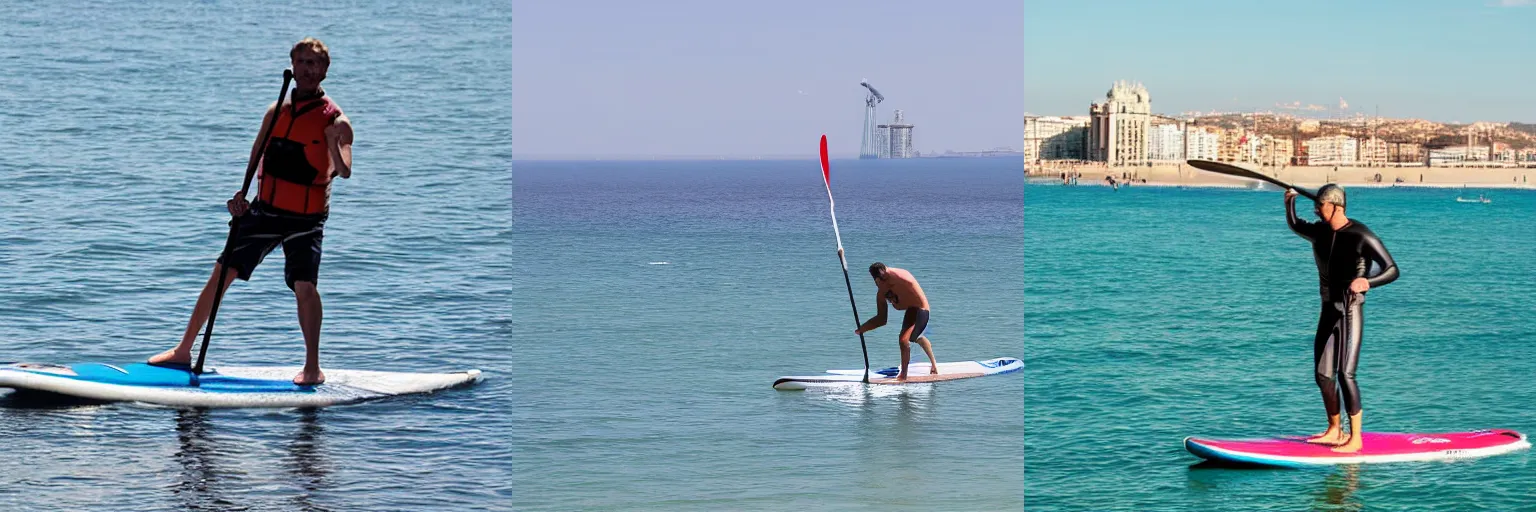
point(263, 228)
point(917, 319)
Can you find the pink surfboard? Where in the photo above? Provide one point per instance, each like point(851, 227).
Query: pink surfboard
point(1295, 451)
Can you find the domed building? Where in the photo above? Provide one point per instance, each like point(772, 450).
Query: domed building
point(1120, 126)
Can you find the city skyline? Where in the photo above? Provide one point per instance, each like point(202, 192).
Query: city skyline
point(1449, 62)
point(704, 79)
point(1124, 130)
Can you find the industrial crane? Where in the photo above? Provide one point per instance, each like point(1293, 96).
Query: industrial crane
point(869, 148)
point(874, 97)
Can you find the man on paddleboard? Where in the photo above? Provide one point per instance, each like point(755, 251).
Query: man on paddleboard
point(310, 145)
point(899, 289)
point(1350, 261)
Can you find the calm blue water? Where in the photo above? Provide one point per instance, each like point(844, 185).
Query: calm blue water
point(1154, 314)
point(123, 128)
point(657, 301)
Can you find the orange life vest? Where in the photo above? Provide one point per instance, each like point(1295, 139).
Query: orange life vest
point(294, 175)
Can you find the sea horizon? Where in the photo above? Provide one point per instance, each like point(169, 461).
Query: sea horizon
point(811, 155)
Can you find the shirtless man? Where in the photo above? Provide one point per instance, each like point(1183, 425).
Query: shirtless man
point(900, 289)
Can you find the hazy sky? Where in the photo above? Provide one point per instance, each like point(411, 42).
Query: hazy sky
point(1444, 60)
point(761, 78)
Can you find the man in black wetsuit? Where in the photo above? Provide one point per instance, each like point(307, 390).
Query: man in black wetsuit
point(1350, 261)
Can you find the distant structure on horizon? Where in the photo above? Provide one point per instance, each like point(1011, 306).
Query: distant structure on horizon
point(892, 140)
point(899, 138)
point(869, 148)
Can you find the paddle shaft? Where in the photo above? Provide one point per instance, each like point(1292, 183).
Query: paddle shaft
point(856, 321)
point(234, 226)
point(826, 174)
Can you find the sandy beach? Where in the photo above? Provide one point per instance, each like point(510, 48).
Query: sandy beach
point(1183, 175)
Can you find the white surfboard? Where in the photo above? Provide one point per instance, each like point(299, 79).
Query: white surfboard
point(267, 386)
point(917, 373)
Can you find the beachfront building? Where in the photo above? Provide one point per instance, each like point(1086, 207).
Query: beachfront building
point(1165, 143)
point(1405, 153)
point(1201, 144)
point(1499, 154)
point(1117, 134)
point(1250, 146)
point(1502, 153)
point(1332, 150)
point(1451, 156)
point(1373, 152)
point(1226, 144)
point(1055, 138)
point(1276, 151)
point(1238, 146)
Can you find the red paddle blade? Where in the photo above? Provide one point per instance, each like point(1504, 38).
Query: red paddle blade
point(826, 171)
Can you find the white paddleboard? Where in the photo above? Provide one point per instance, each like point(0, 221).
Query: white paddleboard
point(917, 373)
point(268, 386)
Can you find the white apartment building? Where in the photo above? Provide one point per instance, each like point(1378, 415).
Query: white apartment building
point(1200, 144)
point(1332, 150)
point(1165, 143)
point(1055, 138)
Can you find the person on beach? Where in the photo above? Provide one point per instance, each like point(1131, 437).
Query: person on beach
point(1351, 260)
point(900, 290)
point(310, 145)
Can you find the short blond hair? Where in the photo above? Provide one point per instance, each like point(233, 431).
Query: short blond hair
point(310, 43)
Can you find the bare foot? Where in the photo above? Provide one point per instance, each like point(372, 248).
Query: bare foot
point(901, 377)
point(1353, 445)
point(172, 356)
point(1331, 436)
point(933, 370)
point(309, 378)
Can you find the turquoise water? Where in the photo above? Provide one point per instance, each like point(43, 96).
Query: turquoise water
point(124, 127)
point(1153, 314)
point(658, 301)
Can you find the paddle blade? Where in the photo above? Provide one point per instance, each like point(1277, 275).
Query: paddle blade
point(1243, 172)
point(826, 170)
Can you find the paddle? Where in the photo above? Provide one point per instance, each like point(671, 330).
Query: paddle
point(234, 227)
point(1240, 172)
point(826, 177)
